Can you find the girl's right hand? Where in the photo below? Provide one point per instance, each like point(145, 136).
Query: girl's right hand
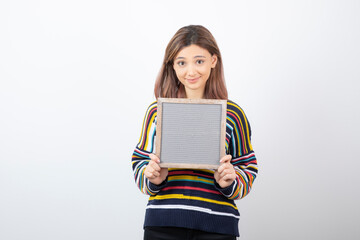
point(153, 172)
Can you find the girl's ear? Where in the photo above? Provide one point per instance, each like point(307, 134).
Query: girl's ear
point(213, 60)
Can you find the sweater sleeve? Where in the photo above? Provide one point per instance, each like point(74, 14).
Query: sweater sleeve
point(238, 135)
point(146, 145)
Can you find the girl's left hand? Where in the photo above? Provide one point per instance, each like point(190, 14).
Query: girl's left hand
point(225, 175)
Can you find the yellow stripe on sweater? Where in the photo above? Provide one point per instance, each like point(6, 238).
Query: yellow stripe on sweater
point(193, 178)
point(181, 196)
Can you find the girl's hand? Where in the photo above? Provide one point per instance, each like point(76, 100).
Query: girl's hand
point(225, 175)
point(153, 172)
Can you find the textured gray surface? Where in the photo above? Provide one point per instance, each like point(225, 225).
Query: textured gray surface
point(191, 133)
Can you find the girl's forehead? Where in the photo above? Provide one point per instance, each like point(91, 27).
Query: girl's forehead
point(192, 51)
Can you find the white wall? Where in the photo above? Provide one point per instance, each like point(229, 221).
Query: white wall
point(76, 78)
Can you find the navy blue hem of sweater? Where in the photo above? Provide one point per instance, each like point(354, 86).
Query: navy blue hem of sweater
point(191, 219)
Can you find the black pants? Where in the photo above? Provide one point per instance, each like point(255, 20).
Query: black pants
point(175, 233)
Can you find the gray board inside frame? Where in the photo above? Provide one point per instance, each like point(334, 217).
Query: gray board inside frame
point(190, 133)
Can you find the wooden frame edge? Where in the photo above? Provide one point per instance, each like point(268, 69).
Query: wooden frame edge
point(158, 127)
point(189, 165)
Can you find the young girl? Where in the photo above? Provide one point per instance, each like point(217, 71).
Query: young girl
point(188, 203)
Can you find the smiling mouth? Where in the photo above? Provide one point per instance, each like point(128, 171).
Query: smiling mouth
point(192, 80)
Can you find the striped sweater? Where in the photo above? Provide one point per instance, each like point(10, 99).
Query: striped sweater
point(191, 198)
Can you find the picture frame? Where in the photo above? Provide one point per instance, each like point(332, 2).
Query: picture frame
point(190, 133)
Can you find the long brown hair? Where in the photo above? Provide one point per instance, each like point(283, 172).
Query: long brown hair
point(167, 84)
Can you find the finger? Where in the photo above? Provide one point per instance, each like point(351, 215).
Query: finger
point(149, 169)
point(220, 169)
point(154, 165)
point(228, 177)
point(149, 175)
point(154, 158)
point(226, 158)
point(226, 172)
point(156, 173)
point(224, 166)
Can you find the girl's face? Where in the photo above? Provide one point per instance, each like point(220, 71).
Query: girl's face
point(193, 65)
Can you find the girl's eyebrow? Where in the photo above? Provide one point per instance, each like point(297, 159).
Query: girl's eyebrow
point(197, 56)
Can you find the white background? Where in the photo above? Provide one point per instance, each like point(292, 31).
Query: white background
point(77, 76)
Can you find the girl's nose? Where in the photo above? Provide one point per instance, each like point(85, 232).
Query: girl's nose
point(191, 70)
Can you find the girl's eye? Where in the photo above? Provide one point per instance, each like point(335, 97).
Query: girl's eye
point(181, 63)
point(200, 61)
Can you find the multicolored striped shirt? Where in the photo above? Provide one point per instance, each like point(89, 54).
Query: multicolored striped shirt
point(192, 198)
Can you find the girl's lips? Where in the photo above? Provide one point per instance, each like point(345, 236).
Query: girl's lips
point(192, 80)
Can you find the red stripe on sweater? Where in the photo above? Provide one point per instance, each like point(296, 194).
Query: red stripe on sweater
point(191, 188)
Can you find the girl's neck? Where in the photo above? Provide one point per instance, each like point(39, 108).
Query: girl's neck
point(194, 94)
